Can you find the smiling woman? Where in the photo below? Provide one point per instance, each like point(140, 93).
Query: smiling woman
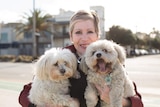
point(83, 30)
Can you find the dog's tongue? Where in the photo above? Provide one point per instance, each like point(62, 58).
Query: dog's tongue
point(102, 65)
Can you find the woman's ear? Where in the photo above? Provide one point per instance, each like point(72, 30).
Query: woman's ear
point(71, 38)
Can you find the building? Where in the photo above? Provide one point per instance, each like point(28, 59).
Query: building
point(59, 26)
point(100, 11)
point(8, 43)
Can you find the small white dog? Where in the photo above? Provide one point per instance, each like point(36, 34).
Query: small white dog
point(103, 62)
point(51, 83)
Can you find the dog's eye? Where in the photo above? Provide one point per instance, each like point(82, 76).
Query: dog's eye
point(56, 64)
point(93, 52)
point(65, 62)
point(105, 50)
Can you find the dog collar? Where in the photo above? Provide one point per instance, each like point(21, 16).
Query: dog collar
point(108, 79)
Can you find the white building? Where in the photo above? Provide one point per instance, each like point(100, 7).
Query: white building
point(59, 25)
point(100, 11)
point(8, 42)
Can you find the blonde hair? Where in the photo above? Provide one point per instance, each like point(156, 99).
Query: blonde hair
point(84, 15)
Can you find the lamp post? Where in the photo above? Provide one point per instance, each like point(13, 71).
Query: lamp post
point(0, 36)
point(51, 22)
point(35, 51)
point(52, 36)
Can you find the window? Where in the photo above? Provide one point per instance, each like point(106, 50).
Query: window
point(4, 37)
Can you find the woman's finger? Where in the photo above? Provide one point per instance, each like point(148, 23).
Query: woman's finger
point(99, 88)
point(48, 105)
point(104, 92)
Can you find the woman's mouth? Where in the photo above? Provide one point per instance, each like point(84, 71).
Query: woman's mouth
point(84, 45)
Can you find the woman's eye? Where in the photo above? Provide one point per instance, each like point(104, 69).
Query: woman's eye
point(90, 31)
point(78, 32)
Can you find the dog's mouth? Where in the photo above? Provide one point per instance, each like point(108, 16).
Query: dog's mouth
point(103, 67)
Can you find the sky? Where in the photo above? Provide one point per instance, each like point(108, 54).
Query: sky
point(136, 15)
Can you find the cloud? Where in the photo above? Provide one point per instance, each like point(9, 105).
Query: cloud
point(9, 16)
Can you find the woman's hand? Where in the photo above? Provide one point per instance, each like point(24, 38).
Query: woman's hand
point(74, 103)
point(104, 95)
point(48, 105)
point(126, 102)
point(53, 106)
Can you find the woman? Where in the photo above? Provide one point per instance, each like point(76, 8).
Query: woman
point(83, 30)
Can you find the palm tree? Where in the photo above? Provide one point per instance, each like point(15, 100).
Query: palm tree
point(42, 28)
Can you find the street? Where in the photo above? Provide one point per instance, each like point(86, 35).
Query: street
point(12, 78)
point(143, 70)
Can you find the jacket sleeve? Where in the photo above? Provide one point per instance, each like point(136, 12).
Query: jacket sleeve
point(136, 100)
point(23, 97)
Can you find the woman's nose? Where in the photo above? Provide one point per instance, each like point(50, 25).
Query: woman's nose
point(85, 37)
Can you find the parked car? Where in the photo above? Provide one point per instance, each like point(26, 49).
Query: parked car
point(143, 52)
point(137, 52)
point(134, 52)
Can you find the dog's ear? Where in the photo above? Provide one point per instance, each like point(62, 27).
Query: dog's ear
point(121, 53)
point(73, 61)
point(83, 66)
point(74, 66)
point(41, 67)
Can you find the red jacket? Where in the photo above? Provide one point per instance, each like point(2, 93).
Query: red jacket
point(76, 90)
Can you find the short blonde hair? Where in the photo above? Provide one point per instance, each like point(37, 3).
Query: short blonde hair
point(84, 15)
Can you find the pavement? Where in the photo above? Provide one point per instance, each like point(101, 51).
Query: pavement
point(13, 76)
point(9, 98)
point(146, 74)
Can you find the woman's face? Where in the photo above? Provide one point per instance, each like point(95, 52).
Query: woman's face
point(82, 35)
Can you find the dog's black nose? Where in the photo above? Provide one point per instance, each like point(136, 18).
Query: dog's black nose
point(98, 55)
point(62, 71)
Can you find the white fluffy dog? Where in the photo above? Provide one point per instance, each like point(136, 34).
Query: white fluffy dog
point(51, 83)
point(103, 62)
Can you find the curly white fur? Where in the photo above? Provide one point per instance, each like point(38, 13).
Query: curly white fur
point(105, 58)
point(51, 84)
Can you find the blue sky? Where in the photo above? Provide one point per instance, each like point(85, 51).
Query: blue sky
point(137, 15)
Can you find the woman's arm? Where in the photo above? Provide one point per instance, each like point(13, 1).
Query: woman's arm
point(134, 101)
point(23, 97)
